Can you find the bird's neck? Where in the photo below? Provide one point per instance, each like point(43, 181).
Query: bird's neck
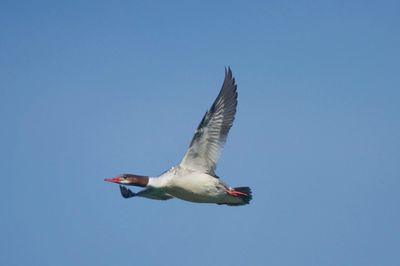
point(159, 182)
point(138, 180)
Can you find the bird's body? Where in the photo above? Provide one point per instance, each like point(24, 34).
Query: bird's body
point(194, 179)
point(193, 186)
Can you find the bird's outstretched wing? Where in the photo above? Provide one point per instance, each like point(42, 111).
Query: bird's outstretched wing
point(212, 132)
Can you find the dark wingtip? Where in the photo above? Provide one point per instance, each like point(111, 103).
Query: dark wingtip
point(126, 192)
point(229, 79)
point(228, 72)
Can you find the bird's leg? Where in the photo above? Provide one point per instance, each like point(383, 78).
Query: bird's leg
point(235, 193)
point(126, 192)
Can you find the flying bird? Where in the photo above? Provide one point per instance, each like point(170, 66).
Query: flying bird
point(194, 178)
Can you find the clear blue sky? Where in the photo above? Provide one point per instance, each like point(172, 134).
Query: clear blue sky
point(91, 89)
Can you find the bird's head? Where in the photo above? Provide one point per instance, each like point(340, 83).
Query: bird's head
point(129, 180)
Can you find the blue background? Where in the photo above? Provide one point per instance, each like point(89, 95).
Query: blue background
point(92, 89)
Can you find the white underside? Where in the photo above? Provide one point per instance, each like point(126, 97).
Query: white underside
point(193, 186)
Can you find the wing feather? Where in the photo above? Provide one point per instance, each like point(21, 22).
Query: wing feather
point(212, 132)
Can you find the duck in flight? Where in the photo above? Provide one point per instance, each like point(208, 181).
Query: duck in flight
point(194, 178)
